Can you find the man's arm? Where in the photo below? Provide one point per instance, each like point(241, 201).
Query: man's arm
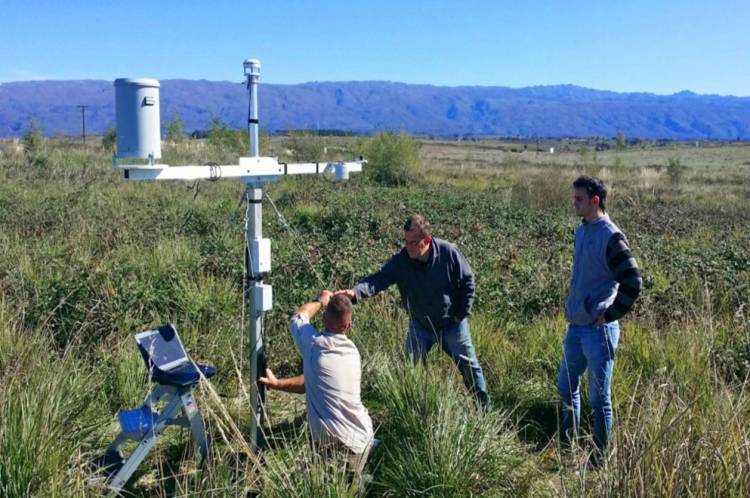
point(463, 279)
point(375, 283)
point(312, 307)
point(299, 325)
point(290, 384)
point(625, 271)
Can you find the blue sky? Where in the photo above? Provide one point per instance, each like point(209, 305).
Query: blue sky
point(653, 46)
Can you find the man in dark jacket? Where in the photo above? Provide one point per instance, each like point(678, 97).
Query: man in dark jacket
point(604, 284)
point(437, 290)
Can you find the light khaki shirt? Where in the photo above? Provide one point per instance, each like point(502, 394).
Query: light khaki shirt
point(333, 371)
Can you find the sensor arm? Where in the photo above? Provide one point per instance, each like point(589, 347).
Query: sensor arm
point(251, 169)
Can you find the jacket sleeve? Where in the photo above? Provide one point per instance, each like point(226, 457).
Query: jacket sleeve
point(463, 280)
point(378, 281)
point(625, 271)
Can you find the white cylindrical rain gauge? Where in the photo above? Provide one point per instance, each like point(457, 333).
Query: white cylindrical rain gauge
point(137, 118)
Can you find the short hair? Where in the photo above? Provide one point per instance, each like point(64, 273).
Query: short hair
point(419, 222)
point(593, 186)
point(339, 307)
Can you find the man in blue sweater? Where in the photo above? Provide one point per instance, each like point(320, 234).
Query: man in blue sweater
point(604, 284)
point(437, 290)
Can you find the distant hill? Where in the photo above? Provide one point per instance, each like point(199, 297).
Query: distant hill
point(367, 106)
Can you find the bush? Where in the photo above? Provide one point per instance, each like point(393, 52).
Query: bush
point(392, 159)
point(34, 145)
point(620, 141)
point(109, 140)
point(675, 169)
point(175, 130)
point(33, 139)
point(221, 137)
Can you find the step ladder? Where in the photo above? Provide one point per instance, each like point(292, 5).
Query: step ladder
point(174, 376)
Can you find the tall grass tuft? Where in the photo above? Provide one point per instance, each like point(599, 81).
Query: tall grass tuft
point(436, 443)
point(294, 470)
point(45, 405)
point(669, 444)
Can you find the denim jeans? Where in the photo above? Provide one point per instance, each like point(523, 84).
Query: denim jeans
point(592, 347)
point(456, 341)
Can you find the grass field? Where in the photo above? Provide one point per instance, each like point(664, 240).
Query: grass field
point(89, 259)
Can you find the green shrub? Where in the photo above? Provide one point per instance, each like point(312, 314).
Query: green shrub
point(175, 130)
point(392, 159)
point(620, 141)
point(109, 140)
point(675, 169)
point(34, 145)
point(222, 138)
point(33, 139)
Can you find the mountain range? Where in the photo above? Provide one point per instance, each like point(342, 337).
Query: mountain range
point(370, 106)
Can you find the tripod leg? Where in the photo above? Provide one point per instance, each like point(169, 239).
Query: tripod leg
point(190, 409)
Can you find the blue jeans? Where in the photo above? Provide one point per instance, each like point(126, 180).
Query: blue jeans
point(456, 341)
point(592, 347)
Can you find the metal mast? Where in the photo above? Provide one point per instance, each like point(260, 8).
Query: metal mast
point(253, 278)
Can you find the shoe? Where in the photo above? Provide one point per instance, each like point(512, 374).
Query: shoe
point(596, 461)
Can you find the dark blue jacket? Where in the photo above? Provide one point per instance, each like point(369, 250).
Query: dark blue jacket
point(436, 294)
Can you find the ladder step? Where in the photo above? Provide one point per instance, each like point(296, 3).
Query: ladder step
point(138, 421)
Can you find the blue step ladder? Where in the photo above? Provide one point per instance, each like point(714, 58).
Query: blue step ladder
point(175, 376)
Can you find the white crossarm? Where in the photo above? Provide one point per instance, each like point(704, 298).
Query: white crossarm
point(250, 167)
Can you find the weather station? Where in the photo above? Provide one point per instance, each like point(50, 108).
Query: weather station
point(138, 128)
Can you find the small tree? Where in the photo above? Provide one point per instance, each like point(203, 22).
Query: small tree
point(392, 158)
point(109, 139)
point(175, 130)
point(675, 169)
point(620, 141)
point(223, 138)
point(33, 139)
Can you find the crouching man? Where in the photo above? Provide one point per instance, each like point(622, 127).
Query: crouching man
point(331, 379)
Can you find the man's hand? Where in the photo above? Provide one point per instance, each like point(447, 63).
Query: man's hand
point(312, 308)
point(289, 384)
point(324, 297)
point(347, 292)
point(270, 380)
point(600, 321)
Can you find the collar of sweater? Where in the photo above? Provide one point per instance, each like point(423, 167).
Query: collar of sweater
point(596, 221)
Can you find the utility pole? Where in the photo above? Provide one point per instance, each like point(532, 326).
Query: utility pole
point(83, 121)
